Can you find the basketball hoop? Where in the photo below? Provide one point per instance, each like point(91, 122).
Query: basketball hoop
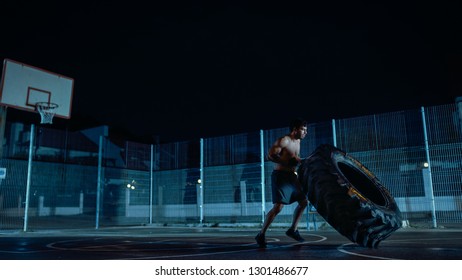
point(47, 111)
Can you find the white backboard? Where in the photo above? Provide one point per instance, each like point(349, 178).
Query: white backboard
point(22, 86)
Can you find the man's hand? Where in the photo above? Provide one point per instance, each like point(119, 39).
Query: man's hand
point(293, 162)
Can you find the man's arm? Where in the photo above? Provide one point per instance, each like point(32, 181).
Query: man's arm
point(275, 154)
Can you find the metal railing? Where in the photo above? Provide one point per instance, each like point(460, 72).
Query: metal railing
point(62, 179)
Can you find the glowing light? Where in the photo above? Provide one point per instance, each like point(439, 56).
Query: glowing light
point(425, 164)
point(131, 185)
point(199, 181)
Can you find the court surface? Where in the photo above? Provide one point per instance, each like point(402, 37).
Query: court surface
point(197, 243)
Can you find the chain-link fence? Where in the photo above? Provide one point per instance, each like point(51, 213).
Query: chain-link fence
point(64, 179)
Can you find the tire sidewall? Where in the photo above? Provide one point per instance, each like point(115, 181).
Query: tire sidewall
point(339, 156)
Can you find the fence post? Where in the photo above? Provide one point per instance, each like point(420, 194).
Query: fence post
point(151, 184)
point(262, 168)
point(430, 182)
point(98, 186)
point(81, 198)
point(201, 184)
point(334, 133)
point(29, 171)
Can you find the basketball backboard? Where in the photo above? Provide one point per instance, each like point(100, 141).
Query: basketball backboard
point(23, 86)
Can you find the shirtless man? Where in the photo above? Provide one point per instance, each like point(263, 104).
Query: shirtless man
point(286, 188)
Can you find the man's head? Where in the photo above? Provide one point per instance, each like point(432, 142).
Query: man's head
point(298, 128)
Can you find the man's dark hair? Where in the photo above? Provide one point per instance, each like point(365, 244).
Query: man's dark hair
point(297, 123)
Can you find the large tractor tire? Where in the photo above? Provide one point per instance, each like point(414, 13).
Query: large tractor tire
point(349, 197)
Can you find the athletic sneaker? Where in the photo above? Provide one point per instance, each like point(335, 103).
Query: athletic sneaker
point(294, 234)
point(261, 241)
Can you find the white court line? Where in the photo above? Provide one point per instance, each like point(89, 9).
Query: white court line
point(24, 252)
point(322, 238)
point(340, 248)
point(408, 241)
point(111, 247)
point(419, 240)
point(102, 248)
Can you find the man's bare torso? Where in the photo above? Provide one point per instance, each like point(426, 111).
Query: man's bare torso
point(284, 152)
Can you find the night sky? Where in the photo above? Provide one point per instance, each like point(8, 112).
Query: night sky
point(182, 70)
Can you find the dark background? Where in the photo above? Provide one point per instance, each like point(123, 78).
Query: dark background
point(182, 70)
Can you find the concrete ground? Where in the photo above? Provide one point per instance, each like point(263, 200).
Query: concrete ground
point(205, 243)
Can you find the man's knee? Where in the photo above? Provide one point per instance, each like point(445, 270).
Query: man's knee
point(277, 207)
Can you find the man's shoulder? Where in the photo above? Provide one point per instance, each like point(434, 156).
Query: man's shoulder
point(285, 138)
point(288, 139)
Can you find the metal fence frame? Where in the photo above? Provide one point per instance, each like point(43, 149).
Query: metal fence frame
point(222, 180)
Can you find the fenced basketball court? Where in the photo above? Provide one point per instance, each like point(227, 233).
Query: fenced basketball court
point(90, 182)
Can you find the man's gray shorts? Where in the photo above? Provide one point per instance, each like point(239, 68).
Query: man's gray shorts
point(286, 187)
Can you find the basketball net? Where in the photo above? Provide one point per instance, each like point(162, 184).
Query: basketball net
point(47, 111)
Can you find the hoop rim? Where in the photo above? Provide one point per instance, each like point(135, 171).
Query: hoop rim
point(46, 105)
point(46, 110)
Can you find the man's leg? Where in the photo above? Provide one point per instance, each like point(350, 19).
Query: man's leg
point(277, 207)
point(260, 238)
point(298, 212)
